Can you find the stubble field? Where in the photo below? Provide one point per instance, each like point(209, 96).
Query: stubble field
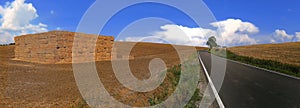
point(25, 84)
point(288, 53)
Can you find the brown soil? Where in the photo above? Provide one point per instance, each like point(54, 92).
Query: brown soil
point(285, 53)
point(25, 84)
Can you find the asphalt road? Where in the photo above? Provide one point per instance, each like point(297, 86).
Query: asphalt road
point(248, 87)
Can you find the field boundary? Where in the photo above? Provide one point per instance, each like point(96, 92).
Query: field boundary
point(271, 71)
point(218, 99)
point(281, 71)
point(274, 65)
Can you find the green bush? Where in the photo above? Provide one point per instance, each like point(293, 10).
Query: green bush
point(12, 44)
point(267, 64)
point(3, 44)
point(174, 77)
point(193, 101)
point(7, 44)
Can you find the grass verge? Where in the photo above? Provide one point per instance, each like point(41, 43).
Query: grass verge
point(267, 64)
point(175, 73)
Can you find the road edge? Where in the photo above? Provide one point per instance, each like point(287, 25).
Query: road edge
point(271, 71)
point(218, 99)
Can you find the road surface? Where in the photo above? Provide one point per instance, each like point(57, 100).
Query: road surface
point(249, 87)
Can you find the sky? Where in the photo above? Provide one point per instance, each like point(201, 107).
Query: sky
point(235, 22)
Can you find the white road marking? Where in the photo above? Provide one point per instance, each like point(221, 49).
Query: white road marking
point(271, 71)
point(219, 101)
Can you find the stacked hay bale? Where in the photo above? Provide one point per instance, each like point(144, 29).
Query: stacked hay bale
point(57, 47)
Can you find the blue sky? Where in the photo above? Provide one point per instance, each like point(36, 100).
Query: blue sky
point(266, 14)
point(241, 22)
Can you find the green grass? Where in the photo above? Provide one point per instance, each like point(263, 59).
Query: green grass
point(7, 44)
point(267, 64)
point(80, 104)
point(193, 101)
point(175, 77)
point(3, 44)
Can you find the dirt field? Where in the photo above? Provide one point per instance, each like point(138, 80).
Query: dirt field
point(25, 84)
point(285, 53)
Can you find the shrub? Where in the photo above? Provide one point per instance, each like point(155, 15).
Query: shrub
point(268, 64)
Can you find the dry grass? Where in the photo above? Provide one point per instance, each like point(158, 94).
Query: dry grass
point(25, 84)
point(288, 53)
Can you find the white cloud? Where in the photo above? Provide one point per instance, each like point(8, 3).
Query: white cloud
point(273, 41)
point(16, 20)
point(297, 36)
point(232, 32)
point(52, 12)
point(5, 38)
point(281, 36)
point(177, 34)
point(236, 32)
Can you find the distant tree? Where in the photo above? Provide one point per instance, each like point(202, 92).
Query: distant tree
point(12, 43)
point(212, 42)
